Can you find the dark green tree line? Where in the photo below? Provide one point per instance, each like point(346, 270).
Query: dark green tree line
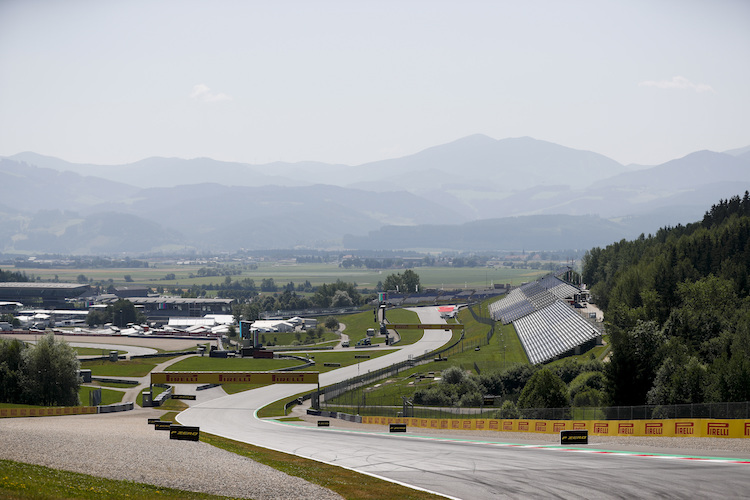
point(119, 313)
point(677, 305)
point(44, 374)
point(408, 282)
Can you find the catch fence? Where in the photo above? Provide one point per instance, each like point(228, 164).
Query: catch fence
point(392, 407)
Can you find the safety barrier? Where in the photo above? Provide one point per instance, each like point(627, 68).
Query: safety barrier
point(701, 427)
point(116, 407)
point(337, 414)
point(47, 411)
point(162, 396)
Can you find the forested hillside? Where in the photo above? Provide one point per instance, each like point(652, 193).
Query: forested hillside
point(678, 308)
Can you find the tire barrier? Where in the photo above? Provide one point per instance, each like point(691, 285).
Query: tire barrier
point(336, 414)
point(162, 354)
point(108, 380)
point(159, 400)
point(307, 363)
point(116, 407)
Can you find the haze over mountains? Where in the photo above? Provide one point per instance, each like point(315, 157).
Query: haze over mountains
point(476, 193)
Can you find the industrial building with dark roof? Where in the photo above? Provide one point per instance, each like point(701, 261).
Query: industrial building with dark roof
point(43, 294)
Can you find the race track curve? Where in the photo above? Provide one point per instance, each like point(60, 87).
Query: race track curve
point(462, 468)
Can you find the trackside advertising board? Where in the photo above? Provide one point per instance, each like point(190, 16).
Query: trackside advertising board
point(234, 378)
point(700, 427)
point(184, 433)
point(48, 411)
point(574, 437)
point(425, 326)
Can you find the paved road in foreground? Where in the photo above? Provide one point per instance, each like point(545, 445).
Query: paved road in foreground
point(466, 469)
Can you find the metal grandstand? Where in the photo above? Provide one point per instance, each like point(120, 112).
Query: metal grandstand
point(531, 297)
point(546, 325)
point(552, 331)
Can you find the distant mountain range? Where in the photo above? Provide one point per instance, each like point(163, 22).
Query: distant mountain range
point(476, 193)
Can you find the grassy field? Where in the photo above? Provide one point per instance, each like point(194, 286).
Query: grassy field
point(404, 316)
point(108, 396)
point(294, 338)
point(357, 325)
point(208, 364)
point(131, 368)
point(316, 274)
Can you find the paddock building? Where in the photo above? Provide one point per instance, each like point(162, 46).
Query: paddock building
point(162, 308)
point(43, 294)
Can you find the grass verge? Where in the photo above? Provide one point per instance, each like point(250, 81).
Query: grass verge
point(276, 409)
point(21, 481)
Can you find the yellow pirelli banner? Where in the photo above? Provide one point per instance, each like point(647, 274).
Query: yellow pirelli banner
point(51, 411)
point(701, 427)
point(234, 377)
point(425, 326)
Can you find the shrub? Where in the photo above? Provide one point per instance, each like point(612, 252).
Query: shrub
point(453, 375)
point(544, 390)
point(508, 410)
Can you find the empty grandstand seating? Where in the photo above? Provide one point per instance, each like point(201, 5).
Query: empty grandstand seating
point(546, 326)
point(552, 331)
point(531, 297)
point(515, 305)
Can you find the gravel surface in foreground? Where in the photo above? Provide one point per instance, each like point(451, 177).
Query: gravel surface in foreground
point(123, 446)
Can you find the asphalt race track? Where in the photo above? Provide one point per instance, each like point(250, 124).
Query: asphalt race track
point(467, 469)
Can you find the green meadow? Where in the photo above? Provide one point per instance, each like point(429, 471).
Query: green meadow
point(283, 273)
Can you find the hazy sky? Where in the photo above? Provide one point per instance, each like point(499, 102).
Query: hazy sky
point(355, 81)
